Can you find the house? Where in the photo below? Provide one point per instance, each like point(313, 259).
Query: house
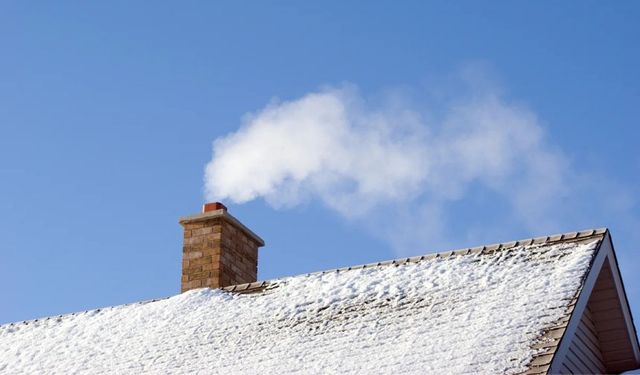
point(553, 304)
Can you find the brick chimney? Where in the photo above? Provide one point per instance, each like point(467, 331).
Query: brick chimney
point(217, 250)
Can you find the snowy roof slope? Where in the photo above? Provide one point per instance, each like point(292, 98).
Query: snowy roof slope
point(475, 311)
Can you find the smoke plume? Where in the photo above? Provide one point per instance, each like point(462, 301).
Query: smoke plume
point(356, 158)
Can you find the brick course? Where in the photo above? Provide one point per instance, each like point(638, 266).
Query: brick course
point(217, 251)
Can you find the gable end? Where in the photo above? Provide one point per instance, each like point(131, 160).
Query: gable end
point(600, 336)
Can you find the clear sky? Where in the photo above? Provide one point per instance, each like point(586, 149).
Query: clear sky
point(433, 125)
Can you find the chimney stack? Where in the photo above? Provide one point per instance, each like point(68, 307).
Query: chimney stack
point(218, 250)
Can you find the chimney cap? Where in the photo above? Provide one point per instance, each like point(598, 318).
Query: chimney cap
point(218, 210)
point(213, 206)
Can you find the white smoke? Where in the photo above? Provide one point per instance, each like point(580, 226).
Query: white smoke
point(331, 146)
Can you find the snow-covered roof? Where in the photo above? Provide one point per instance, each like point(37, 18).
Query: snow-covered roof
point(492, 309)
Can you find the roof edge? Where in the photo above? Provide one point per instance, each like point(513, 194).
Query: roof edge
point(578, 303)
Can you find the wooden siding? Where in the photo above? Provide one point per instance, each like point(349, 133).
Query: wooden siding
point(601, 343)
point(584, 355)
point(609, 323)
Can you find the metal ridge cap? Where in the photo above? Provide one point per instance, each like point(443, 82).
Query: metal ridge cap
point(262, 284)
point(568, 236)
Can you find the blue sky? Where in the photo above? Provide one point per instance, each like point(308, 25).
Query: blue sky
point(108, 113)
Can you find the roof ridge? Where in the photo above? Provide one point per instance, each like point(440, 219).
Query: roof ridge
point(264, 284)
point(567, 236)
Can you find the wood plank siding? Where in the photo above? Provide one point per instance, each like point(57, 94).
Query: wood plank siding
point(584, 356)
point(609, 323)
point(601, 343)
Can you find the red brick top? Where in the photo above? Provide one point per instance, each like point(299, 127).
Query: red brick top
point(213, 206)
